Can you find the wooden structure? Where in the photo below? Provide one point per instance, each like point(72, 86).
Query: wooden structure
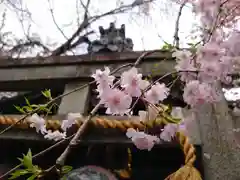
point(62, 74)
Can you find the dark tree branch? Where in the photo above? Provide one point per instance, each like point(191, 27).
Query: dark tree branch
point(29, 43)
point(87, 22)
point(176, 33)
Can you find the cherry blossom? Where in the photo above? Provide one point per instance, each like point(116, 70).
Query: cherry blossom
point(117, 102)
point(103, 77)
point(55, 135)
point(158, 92)
point(196, 93)
point(71, 119)
point(182, 55)
point(142, 140)
point(169, 132)
point(130, 81)
point(104, 81)
point(38, 122)
point(186, 69)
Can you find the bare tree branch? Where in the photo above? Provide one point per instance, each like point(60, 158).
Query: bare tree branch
point(29, 43)
point(85, 7)
point(55, 22)
point(87, 22)
point(176, 35)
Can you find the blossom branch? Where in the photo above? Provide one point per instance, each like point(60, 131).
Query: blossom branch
point(61, 160)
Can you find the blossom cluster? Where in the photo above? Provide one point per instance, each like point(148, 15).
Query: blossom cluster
point(39, 124)
point(118, 99)
point(216, 59)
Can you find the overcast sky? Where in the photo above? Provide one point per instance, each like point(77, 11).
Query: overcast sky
point(145, 31)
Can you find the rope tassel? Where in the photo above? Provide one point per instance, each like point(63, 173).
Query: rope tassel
point(188, 171)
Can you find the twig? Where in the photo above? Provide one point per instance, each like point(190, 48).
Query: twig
point(55, 22)
point(61, 159)
point(85, 8)
point(176, 35)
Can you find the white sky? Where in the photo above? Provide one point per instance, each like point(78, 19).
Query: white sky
point(144, 31)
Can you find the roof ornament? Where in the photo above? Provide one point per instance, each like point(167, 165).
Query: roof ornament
point(111, 39)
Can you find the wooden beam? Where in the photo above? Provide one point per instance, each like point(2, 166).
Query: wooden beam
point(78, 71)
point(66, 60)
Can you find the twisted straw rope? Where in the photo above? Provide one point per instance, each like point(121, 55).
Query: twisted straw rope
point(99, 122)
point(123, 125)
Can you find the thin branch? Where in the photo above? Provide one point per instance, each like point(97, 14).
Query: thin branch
point(55, 22)
point(29, 43)
point(176, 35)
point(85, 7)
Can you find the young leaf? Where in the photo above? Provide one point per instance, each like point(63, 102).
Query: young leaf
point(32, 177)
point(19, 109)
point(27, 101)
point(27, 160)
point(66, 169)
point(47, 93)
point(17, 173)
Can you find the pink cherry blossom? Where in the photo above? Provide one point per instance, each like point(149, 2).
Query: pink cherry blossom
point(187, 69)
point(71, 119)
point(169, 132)
point(210, 71)
point(158, 92)
point(182, 55)
point(211, 51)
point(196, 93)
point(142, 140)
point(38, 122)
point(103, 77)
point(117, 102)
point(130, 81)
point(104, 81)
